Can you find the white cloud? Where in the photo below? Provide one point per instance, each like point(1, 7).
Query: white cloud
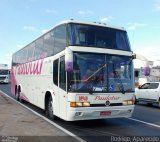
point(104, 19)
point(86, 12)
point(134, 26)
point(49, 11)
point(157, 7)
point(18, 47)
point(131, 27)
point(44, 31)
point(30, 28)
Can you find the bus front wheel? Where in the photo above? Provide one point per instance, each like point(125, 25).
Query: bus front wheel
point(50, 109)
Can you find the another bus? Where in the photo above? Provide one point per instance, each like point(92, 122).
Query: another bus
point(77, 71)
point(4, 73)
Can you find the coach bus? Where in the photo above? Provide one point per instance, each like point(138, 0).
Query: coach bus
point(77, 71)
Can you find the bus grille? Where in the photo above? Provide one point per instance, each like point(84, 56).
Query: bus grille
point(103, 105)
point(2, 77)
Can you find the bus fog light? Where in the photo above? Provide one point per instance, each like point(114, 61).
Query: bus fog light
point(78, 114)
point(86, 104)
point(79, 104)
point(76, 104)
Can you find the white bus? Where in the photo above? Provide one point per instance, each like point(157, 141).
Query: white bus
point(77, 71)
point(4, 73)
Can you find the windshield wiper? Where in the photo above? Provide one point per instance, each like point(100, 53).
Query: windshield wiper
point(98, 70)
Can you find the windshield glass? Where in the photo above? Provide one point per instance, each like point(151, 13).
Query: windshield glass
point(96, 36)
point(3, 72)
point(101, 73)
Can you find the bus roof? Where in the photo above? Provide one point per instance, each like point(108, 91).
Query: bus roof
point(101, 24)
point(76, 22)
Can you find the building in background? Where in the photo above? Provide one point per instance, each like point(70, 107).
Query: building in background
point(148, 72)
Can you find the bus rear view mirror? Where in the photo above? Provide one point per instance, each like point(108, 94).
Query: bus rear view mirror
point(68, 60)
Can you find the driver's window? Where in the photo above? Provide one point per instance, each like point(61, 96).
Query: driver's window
point(145, 86)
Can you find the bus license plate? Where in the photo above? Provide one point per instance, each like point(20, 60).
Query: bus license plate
point(105, 113)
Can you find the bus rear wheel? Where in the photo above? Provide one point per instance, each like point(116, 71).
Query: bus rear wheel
point(18, 98)
point(17, 95)
point(50, 109)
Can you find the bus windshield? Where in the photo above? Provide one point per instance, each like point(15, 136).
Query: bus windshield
point(96, 36)
point(101, 73)
point(4, 72)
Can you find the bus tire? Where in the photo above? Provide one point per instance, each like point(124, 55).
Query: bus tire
point(136, 101)
point(17, 95)
point(20, 100)
point(18, 91)
point(159, 103)
point(50, 109)
point(149, 104)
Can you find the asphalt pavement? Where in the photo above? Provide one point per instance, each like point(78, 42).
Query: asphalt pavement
point(18, 124)
point(145, 122)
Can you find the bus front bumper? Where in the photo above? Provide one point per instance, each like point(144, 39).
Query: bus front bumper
point(4, 81)
point(88, 113)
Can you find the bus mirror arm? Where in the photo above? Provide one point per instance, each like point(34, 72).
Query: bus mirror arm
point(133, 56)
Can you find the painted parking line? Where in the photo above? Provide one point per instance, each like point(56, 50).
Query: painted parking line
point(46, 119)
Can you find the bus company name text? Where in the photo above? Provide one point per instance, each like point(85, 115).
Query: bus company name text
point(108, 98)
point(31, 68)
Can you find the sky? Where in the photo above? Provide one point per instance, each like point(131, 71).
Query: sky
point(22, 21)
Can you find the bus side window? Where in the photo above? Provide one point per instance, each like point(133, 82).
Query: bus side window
point(60, 39)
point(55, 72)
point(62, 74)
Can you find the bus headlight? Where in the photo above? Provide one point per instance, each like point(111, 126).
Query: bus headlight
point(128, 102)
point(79, 104)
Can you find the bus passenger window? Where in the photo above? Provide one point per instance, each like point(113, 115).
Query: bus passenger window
point(55, 72)
point(60, 39)
point(62, 74)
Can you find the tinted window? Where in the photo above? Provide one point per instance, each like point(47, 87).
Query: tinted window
point(55, 72)
point(4, 72)
point(153, 85)
point(62, 75)
point(145, 86)
point(60, 38)
point(21, 56)
point(39, 49)
point(30, 49)
point(136, 73)
point(49, 43)
point(107, 73)
point(96, 36)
